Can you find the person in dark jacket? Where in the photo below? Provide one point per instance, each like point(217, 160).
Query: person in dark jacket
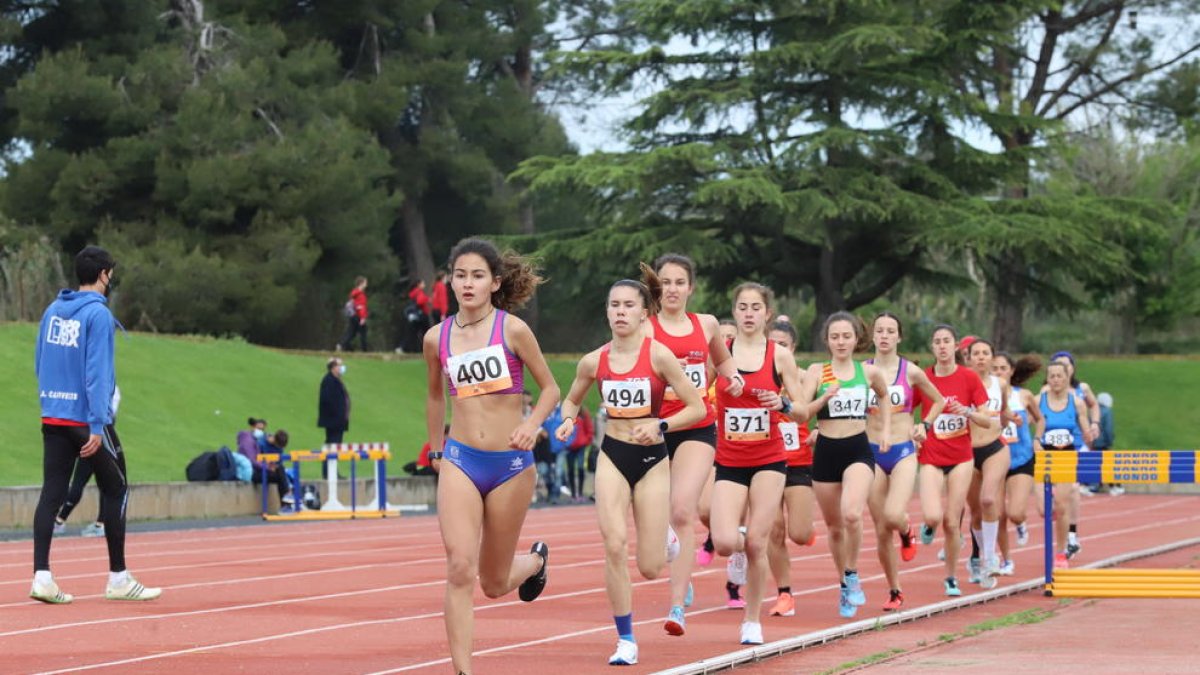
point(333, 406)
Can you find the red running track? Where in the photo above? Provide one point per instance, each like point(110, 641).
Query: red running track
point(366, 597)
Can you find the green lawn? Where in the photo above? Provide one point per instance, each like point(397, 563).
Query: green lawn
point(183, 395)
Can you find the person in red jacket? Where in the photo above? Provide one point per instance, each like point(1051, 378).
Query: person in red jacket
point(441, 300)
point(356, 316)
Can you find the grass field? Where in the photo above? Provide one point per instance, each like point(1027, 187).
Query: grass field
point(184, 395)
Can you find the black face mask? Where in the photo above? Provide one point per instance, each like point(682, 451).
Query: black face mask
point(110, 285)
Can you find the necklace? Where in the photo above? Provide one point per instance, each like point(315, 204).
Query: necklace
point(472, 323)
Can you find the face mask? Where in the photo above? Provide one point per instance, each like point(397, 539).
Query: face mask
point(342, 369)
point(258, 433)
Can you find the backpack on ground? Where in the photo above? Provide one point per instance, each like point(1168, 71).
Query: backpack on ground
point(202, 467)
point(245, 470)
point(226, 465)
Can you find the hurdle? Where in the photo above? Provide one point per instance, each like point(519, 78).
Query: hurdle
point(333, 509)
point(1114, 466)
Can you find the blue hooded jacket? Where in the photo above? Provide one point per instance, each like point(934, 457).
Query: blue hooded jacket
point(75, 359)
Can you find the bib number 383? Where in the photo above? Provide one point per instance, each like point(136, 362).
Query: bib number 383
point(627, 398)
point(1058, 438)
point(481, 371)
point(747, 424)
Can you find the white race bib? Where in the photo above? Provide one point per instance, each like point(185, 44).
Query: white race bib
point(1010, 433)
point(895, 399)
point(1058, 438)
point(481, 371)
point(790, 431)
point(747, 424)
point(949, 426)
point(698, 374)
point(848, 402)
point(627, 398)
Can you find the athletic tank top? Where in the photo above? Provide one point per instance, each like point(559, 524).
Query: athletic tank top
point(636, 394)
point(1062, 426)
point(796, 449)
point(995, 394)
point(850, 403)
point(900, 392)
point(493, 369)
point(1019, 439)
point(693, 349)
point(745, 433)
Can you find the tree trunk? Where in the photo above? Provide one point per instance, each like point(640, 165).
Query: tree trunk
point(416, 242)
point(1124, 338)
point(1010, 291)
point(528, 226)
point(828, 297)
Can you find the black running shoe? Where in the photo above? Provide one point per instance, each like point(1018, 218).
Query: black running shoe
point(532, 587)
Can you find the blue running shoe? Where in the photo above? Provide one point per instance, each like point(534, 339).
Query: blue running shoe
point(675, 624)
point(952, 588)
point(690, 596)
point(854, 591)
point(846, 608)
point(926, 535)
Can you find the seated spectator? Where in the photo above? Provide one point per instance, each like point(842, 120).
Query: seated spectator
point(252, 441)
point(424, 466)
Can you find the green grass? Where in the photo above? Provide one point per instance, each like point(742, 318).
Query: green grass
point(1022, 618)
point(184, 395)
point(864, 661)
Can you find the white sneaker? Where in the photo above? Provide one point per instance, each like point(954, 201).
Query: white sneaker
point(1116, 491)
point(672, 544)
point(59, 528)
point(735, 569)
point(92, 530)
point(1022, 534)
point(288, 499)
point(49, 593)
point(752, 633)
point(1008, 569)
point(131, 590)
point(626, 654)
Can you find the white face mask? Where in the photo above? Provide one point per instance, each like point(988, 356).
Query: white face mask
point(342, 369)
point(258, 433)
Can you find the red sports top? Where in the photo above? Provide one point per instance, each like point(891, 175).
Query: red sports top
point(949, 441)
point(796, 449)
point(693, 349)
point(746, 435)
point(635, 394)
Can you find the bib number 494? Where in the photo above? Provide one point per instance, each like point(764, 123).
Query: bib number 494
point(627, 398)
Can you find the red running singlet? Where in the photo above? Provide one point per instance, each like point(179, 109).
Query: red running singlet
point(796, 449)
point(635, 394)
point(949, 441)
point(746, 435)
point(693, 349)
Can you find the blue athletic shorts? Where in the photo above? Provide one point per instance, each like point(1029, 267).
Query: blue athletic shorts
point(487, 469)
point(888, 460)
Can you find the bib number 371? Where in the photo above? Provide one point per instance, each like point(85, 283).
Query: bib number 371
point(481, 371)
point(747, 424)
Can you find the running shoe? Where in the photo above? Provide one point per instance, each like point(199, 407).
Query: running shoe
point(926, 535)
point(1116, 491)
point(895, 600)
point(690, 596)
point(49, 593)
point(854, 591)
point(785, 605)
point(908, 544)
point(532, 587)
point(1074, 549)
point(288, 499)
point(974, 571)
point(1009, 568)
point(92, 530)
point(672, 544)
point(941, 554)
point(1060, 561)
point(988, 581)
point(735, 596)
point(952, 588)
point(1086, 490)
point(132, 589)
point(846, 609)
point(1022, 534)
point(675, 623)
point(626, 654)
point(704, 554)
point(752, 633)
point(735, 569)
point(812, 539)
point(59, 528)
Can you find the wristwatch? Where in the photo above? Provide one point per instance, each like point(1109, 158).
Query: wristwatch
point(928, 425)
point(662, 425)
point(786, 407)
point(434, 455)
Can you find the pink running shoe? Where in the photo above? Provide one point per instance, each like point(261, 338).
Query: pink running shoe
point(704, 557)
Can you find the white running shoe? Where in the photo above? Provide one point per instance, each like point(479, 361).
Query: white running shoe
point(131, 590)
point(672, 544)
point(92, 530)
point(1116, 491)
point(59, 528)
point(1022, 534)
point(735, 569)
point(49, 593)
point(752, 633)
point(1008, 569)
point(626, 654)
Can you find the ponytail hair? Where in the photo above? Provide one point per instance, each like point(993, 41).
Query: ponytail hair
point(1025, 368)
point(860, 331)
point(649, 287)
point(519, 277)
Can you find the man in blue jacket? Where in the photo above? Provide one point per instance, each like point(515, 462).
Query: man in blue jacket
point(74, 360)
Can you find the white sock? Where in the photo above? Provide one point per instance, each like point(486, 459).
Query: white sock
point(43, 577)
point(990, 529)
point(118, 578)
point(1072, 539)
